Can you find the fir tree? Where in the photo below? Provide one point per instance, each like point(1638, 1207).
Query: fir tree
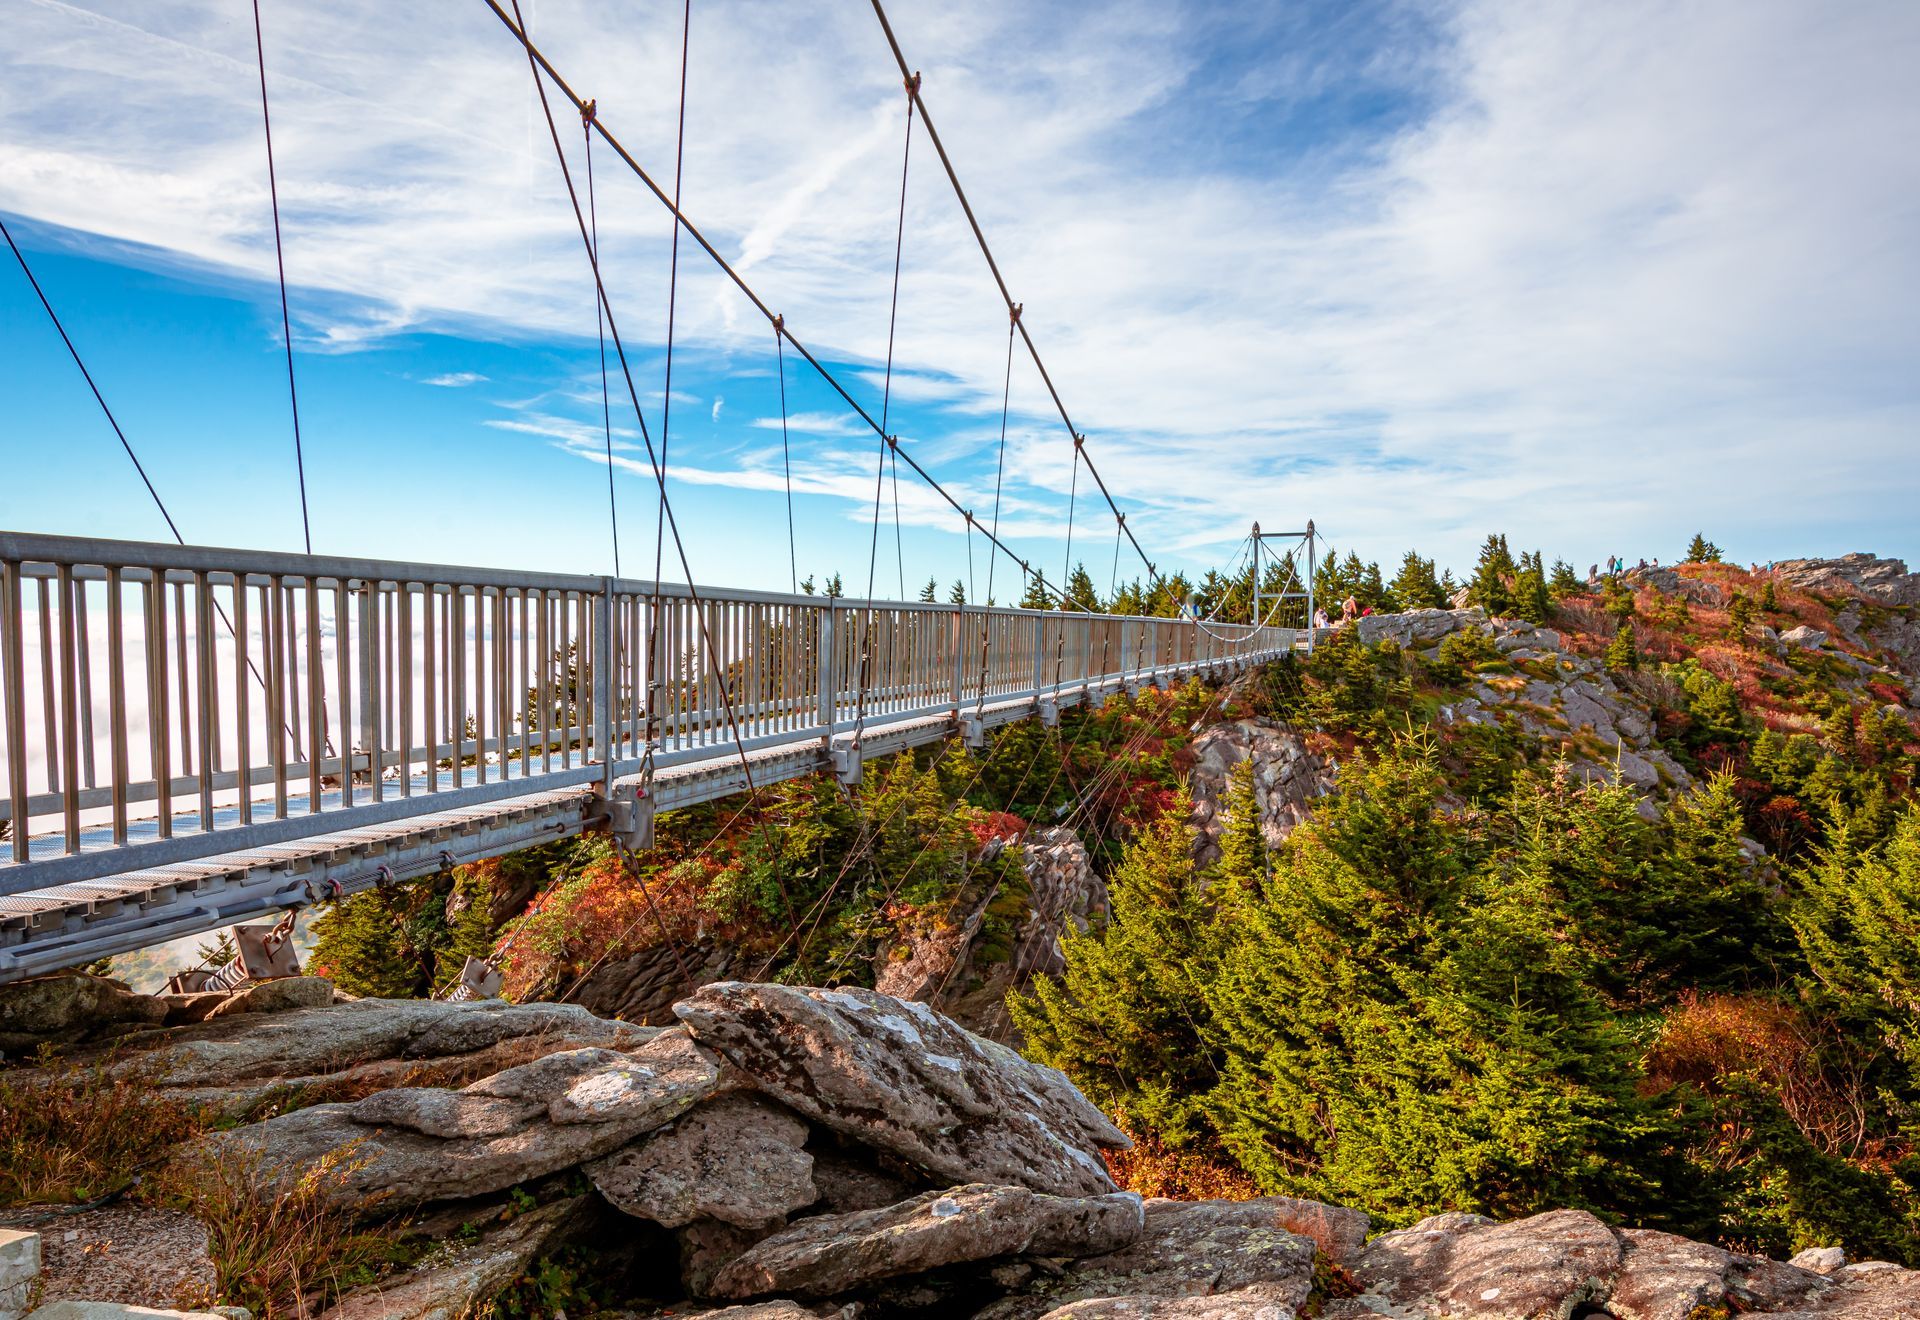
point(1531, 600)
point(1123, 1016)
point(1622, 655)
point(1564, 582)
point(957, 594)
point(1740, 615)
point(1081, 594)
point(1702, 551)
point(1415, 587)
point(930, 592)
point(806, 584)
point(835, 588)
point(361, 944)
point(1243, 848)
point(1768, 600)
point(1035, 597)
point(1489, 587)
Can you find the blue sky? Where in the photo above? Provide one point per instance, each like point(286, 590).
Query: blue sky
point(1593, 275)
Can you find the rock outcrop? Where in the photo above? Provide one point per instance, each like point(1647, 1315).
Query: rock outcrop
point(1884, 580)
point(817, 1153)
point(1287, 777)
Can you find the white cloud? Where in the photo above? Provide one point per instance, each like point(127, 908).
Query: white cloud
point(454, 380)
point(1641, 266)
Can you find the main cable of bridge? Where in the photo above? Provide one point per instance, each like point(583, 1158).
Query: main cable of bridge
point(1013, 309)
point(539, 58)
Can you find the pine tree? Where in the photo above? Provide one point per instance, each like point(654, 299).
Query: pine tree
point(1564, 582)
point(1702, 551)
point(1489, 587)
point(1622, 655)
point(835, 587)
point(806, 584)
point(1415, 587)
point(1769, 601)
point(930, 592)
point(361, 944)
point(957, 595)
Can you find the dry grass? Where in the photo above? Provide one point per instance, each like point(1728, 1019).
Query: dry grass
point(72, 1132)
point(282, 1251)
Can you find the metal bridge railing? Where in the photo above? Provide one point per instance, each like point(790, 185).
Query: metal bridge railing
point(163, 703)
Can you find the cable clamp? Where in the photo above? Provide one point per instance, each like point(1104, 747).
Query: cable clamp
point(779, 323)
point(913, 84)
point(1013, 312)
point(1079, 440)
point(893, 443)
point(446, 861)
point(382, 875)
point(588, 111)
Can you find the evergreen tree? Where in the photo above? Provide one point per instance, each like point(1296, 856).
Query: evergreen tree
point(1531, 600)
point(957, 594)
point(361, 944)
point(1702, 551)
point(1740, 615)
point(835, 588)
point(1373, 592)
point(1123, 1014)
point(930, 592)
point(1243, 848)
point(1035, 597)
point(1768, 600)
point(1081, 593)
point(1622, 655)
point(1564, 582)
point(1128, 599)
point(1415, 587)
point(1489, 587)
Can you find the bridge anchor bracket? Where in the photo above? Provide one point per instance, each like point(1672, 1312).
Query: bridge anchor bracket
point(846, 762)
point(973, 732)
point(1050, 712)
point(630, 817)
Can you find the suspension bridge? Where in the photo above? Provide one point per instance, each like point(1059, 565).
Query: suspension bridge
point(194, 736)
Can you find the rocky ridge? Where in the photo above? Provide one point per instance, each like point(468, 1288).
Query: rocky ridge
point(808, 1152)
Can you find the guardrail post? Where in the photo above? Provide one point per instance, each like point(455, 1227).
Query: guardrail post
point(370, 692)
point(959, 655)
point(824, 670)
point(602, 686)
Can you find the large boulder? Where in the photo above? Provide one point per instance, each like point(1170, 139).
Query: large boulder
point(738, 1159)
point(1419, 628)
point(276, 996)
point(1186, 1249)
point(411, 1145)
point(829, 1254)
point(70, 1007)
point(905, 1080)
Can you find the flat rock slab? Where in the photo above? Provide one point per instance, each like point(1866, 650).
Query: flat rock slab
point(413, 1145)
point(738, 1159)
point(830, 1254)
point(903, 1079)
point(123, 1311)
point(1260, 1301)
point(133, 1254)
point(1187, 1249)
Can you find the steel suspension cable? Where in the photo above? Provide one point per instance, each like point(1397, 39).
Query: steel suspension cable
point(280, 260)
point(980, 237)
point(893, 320)
point(121, 435)
point(600, 328)
point(633, 394)
point(1073, 497)
point(1000, 468)
point(510, 22)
